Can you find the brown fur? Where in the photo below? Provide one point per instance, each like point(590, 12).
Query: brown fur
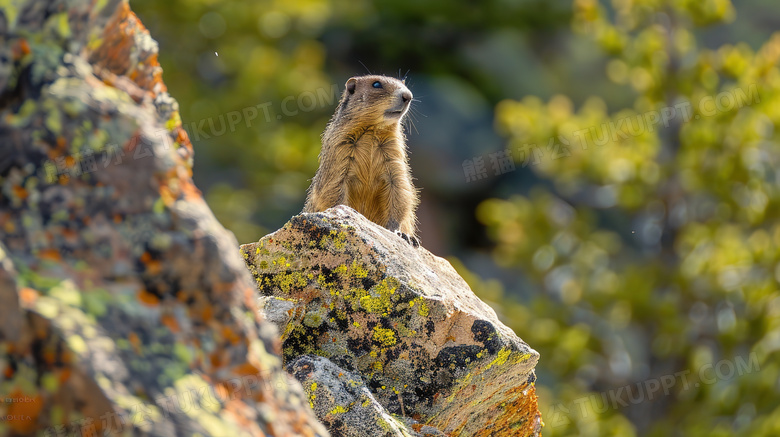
point(363, 161)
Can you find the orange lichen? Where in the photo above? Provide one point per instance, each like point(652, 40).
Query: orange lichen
point(181, 136)
point(520, 417)
point(21, 48)
point(19, 192)
point(191, 192)
point(154, 267)
point(230, 335)
point(63, 374)
point(206, 313)
point(147, 298)
point(23, 414)
point(246, 368)
point(216, 359)
point(50, 254)
point(28, 296)
point(167, 195)
point(170, 322)
point(135, 342)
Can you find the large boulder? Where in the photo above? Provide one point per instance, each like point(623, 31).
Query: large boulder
point(124, 306)
point(401, 325)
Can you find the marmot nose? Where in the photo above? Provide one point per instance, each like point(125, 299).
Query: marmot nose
point(406, 96)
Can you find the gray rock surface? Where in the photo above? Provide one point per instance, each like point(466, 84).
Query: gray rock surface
point(343, 402)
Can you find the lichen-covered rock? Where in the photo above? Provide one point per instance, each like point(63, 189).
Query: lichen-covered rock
point(344, 403)
point(124, 307)
point(399, 318)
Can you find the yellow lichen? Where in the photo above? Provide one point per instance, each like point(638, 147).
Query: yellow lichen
point(337, 239)
point(403, 331)
point(338, 410)
point(422, 308)
point(386, 337)
point(358, 270)
point(503, 355)
point(281, 261)
point(287, 281)
point(379, 297)
point(324, 284)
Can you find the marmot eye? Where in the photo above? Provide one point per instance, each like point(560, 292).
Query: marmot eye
point(377, 84)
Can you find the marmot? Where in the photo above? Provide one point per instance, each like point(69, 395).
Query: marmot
point(363, 161)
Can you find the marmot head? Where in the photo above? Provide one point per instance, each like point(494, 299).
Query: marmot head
point(378, 100)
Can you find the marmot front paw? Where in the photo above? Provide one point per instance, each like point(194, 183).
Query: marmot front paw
point(409, 239)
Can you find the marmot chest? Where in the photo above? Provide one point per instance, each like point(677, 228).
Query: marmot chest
point(371, 175)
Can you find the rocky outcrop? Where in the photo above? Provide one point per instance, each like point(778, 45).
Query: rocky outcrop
point(124, 306)
point(387, 339)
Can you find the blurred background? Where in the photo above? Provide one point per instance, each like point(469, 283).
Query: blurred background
point(604, 174)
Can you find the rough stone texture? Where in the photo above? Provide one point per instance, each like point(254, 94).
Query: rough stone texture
point(344, 403)
point(124, 307)
point(400, 319)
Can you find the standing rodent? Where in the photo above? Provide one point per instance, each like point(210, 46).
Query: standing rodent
point(363, 161)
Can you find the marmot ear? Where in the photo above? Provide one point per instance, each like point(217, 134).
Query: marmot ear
point(351, 84)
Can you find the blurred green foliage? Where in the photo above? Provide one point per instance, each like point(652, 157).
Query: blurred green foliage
point(638, 236)
point(656, 248)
